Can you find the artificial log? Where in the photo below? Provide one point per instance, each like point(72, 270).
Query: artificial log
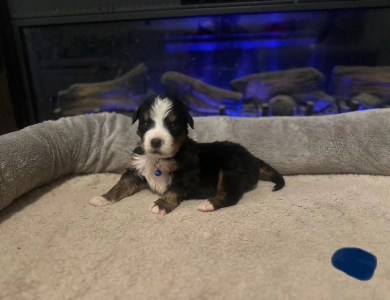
point(350, 82)
point(368, 100)
point(123, 93)
point(303, 85)
point(319, 99)
point(264, 86)
point(197, 95)
point(282, 105)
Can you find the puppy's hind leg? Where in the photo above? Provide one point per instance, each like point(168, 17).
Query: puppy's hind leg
point(130, 183)
point(227, 194)
point(267, 173)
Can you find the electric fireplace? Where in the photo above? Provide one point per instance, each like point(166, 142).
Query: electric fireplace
point(244, 59)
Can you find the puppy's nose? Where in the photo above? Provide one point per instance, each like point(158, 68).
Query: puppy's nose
point(156, 143)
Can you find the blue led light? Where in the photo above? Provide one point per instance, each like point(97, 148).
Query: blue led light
point(244, 45)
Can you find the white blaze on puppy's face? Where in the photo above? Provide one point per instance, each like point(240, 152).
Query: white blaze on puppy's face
point(159, 111)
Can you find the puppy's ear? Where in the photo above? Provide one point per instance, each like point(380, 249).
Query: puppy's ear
point(190, 121)
point(135, 116)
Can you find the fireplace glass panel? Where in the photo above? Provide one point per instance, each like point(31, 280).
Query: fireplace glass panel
point(246, 65)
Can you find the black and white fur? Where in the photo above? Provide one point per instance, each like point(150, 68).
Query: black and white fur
point(220, 171)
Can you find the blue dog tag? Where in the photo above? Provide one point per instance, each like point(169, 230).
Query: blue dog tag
point(157, 173)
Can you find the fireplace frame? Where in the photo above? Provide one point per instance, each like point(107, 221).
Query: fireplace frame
point(14, 20)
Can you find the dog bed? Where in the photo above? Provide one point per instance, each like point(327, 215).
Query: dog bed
point(271, 245)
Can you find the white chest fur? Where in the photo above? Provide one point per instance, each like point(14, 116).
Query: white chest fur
point(147, 166)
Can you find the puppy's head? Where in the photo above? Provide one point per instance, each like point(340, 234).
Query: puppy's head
point(163, 126)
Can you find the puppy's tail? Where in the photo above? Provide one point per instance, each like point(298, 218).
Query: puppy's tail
point(267, 173)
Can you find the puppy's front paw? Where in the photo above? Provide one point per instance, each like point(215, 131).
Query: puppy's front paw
point(100, 201)
point(154, 208)
point(206, 206)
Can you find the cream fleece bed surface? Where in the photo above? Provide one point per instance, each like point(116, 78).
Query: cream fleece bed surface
point(271, 245)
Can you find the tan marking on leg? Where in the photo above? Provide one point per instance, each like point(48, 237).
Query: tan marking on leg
point(122, 189)
point(218, 200)
point(213, 203)
point(170, 197)
point(168, 202)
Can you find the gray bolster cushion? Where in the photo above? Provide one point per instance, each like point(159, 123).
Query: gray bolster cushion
point(345, 143)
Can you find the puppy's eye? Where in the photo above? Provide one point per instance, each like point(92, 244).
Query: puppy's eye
point(174, 125)
point(145, 123)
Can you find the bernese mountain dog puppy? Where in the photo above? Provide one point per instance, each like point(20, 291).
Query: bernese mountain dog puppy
point(177, 168)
